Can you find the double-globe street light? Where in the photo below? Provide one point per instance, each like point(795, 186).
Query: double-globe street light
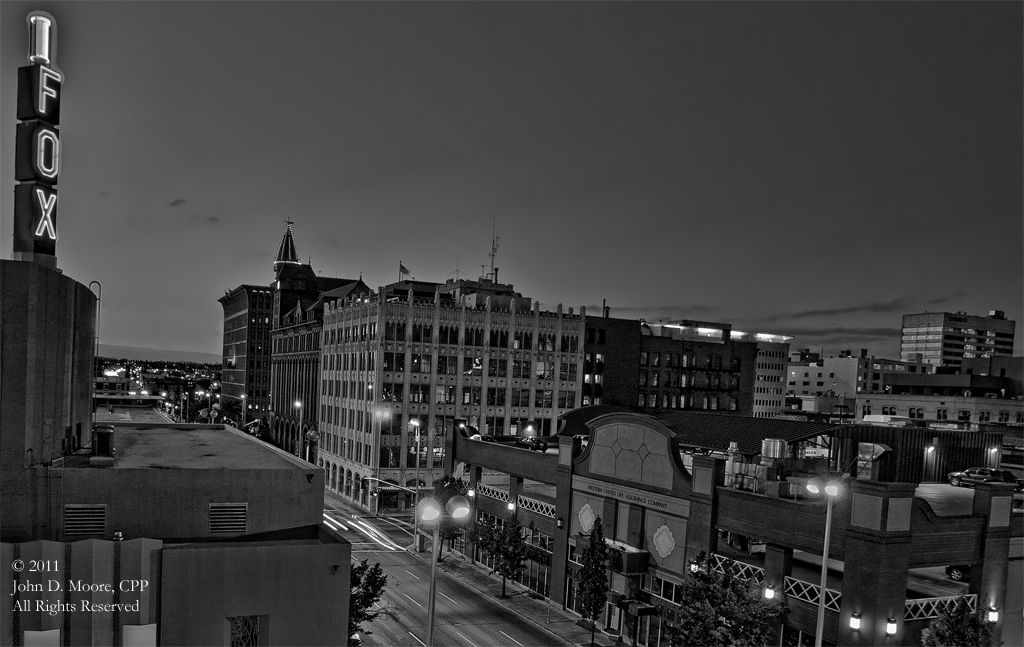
point(415, 517)
point(430, 513)
point(831, 490)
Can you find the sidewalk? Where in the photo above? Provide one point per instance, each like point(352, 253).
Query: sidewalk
point(531, 607)
point(564, 626)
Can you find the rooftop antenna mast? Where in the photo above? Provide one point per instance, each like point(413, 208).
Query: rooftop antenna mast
point(457, 273)
point(494, 249)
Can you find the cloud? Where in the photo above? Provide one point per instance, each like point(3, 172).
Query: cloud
point(212, 219)
point(938, 300)
point(899, 304)
point(827, 332)
point(175, 202)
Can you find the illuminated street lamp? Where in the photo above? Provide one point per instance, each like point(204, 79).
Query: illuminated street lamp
point(243, 411)
point(415, 517)
point(298, 403)
point(831, 489)
point(430, 513)
point(378, 416)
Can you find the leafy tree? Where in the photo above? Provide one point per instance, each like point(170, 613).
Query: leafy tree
point(367, 584)
point(723, 609)
point(592, 590)
point(957, 626)
point(445, 488)
point(509, 550)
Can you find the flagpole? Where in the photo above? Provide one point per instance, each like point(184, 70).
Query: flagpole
point(399, 271)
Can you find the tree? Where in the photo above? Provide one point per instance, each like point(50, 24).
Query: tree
point(445, 488)
point(723, 609)
point(509, 550)
point(367, 583)
point(592, 590)
point(957, 626)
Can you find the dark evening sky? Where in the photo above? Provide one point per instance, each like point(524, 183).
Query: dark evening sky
point(809, 169)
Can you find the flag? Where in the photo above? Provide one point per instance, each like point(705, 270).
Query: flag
point(402, 269)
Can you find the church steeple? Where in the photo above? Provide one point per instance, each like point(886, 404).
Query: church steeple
point(287, 253)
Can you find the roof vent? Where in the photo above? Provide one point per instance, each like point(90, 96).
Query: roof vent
point(228, 518)
point(83, 520)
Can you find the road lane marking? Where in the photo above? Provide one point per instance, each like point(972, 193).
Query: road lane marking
point(464, 638)
point(407, 595)
point(447, 597)
point(510, 638)
point(414, 575)
point(417, 639)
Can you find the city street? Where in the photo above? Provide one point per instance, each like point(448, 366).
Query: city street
point(468, 611)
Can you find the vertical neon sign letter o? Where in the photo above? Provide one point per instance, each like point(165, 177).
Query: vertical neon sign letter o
point(47, 153)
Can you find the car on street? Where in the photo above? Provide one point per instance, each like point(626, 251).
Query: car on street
point(958, 572)
point(532, 442)
point(975, 475)
point(484, 437)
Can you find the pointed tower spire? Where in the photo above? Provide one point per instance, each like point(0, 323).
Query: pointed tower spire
point(287, 253)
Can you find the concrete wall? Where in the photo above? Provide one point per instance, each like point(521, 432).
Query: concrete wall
point(277, 498)
point(47, 337)
point(300, 592)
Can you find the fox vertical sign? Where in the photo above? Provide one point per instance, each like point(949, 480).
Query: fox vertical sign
point(37, 149)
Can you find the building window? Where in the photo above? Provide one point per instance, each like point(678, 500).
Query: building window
point(984, 416)
point(963, 416)
point(643, 358)
point(245, 631)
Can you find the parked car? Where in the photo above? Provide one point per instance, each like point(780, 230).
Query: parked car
point(958, 572)
point(532, 442)
point(484, 437)
point(976, 475)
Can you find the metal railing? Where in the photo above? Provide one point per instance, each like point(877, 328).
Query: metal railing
point(808, 592)
point(492, 493)
point(745, 571)
point(925, 608)
point(533, 505)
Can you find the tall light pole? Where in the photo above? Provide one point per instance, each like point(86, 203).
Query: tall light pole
point(243, 411)
point(415, 517)
point(378, 417)
point(831, 490)
point(298, 403)
point(429, 511)
point(99, 304)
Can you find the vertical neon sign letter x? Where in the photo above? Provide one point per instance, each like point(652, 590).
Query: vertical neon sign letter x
point(46, 221)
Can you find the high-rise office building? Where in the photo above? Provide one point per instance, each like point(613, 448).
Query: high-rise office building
point(947, 338)
point(403, 366)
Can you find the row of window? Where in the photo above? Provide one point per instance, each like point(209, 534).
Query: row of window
point(449, 365)
point(962, 415)
point(684, 380)
point(685, 401)
point(654, 358)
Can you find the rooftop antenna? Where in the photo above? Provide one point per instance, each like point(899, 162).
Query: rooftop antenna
point(494, 248)
point(457, 273)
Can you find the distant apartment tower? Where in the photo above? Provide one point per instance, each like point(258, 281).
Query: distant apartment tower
point(414, 360)
point(847, 374)
point(683, 365)
point(947, 338)
point(769, 371)
point(245, 372)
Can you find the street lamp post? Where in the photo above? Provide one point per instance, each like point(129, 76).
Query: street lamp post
point(378, 417)
point(430, 512)
point(298, 403)
point(831, 490)
point(243, 411)
point(415, 517)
